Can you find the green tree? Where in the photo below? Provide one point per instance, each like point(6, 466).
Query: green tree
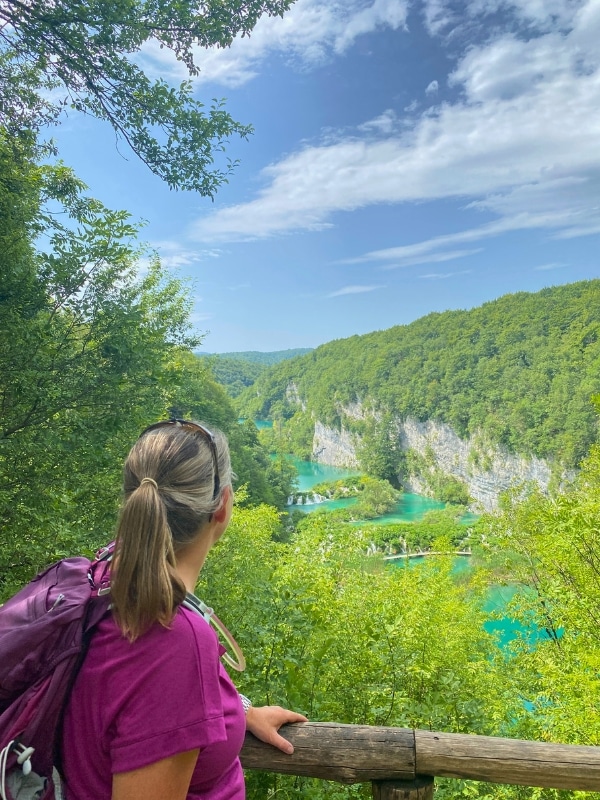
point(551, 547)
point(85, 51)
point(376, 497)
point(380, 453)
point(86, 341)
point(196, 395)
point(235, 374)
point(326, 634)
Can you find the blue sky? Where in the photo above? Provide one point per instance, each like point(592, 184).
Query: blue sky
point(408, 157)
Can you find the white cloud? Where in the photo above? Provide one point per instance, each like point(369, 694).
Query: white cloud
point(438, 16)
point(311, 32)
point(159, 62)
point(432, 88)
point(445, 18)
point(444, 275)
point(510, 67)
point(380, 14)
point(424, 252)
point(520, 144)
point(552, 265)
point(143, 266)
point(426, 258)
point(384, 123)
point(174, 255)
point(543, 14)
point(354, 290)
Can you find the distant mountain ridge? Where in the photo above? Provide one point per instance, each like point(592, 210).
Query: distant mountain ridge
point(259, 357)
point(237, 371)
point(518, 372)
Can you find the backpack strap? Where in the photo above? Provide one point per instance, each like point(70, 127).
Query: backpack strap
point(99, 572)
point(235, 661)
point(193, 603)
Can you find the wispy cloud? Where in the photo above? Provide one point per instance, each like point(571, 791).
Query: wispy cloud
point(444, 18)
point(384, 123)
point(438, 16)
point(444, 275)
point(432, 258)
point(424, 251)
point(198, 316)
point(354, 290)
point(174, 255)
point(311, 32)
point(521, 143)
point(552, 265)
point(432, 88)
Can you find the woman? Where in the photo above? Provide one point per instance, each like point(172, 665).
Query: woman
point(153, 714)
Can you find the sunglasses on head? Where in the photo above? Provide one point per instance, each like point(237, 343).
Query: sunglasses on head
point(195, 429)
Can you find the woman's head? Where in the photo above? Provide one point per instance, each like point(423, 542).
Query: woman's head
point(174, 479)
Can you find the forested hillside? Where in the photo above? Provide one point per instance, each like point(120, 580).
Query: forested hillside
point(520, 370)
point(237, 371)
point(267, 358)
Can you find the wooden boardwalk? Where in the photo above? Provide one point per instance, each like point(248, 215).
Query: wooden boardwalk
point(428, 553)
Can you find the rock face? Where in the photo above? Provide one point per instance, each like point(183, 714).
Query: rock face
point(337, 448)
point(485, 469)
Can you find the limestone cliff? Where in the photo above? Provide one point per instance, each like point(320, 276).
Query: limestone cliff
point(337, 448)
point(485, 469)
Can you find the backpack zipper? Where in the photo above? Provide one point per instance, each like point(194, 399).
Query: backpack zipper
point(57, 602)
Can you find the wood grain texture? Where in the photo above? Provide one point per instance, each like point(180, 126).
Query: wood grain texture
point(556, 766)
point(419, 789)
point(336, 752)
point(359, 753)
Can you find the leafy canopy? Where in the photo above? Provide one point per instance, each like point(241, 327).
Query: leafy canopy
point(84, 52)
point(325, 633)
point(93, 348)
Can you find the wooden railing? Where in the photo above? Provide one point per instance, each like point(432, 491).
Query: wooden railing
point(402, 763)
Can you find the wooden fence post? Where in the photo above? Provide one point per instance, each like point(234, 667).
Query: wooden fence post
point(419, 789)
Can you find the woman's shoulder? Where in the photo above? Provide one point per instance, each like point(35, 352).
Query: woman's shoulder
point(192, 625)
point(186, 631)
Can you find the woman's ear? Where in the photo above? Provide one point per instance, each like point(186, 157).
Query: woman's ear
point(224, 510)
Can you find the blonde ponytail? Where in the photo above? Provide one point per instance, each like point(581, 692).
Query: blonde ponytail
point(144, 588)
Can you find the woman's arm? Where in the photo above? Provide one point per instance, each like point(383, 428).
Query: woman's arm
point(169, 778)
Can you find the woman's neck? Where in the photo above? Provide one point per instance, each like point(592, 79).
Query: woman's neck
point(190, 561)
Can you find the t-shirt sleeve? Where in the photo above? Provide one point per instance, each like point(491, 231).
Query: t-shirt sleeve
point(168, 698)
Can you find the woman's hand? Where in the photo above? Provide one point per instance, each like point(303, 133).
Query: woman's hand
point(265, 721)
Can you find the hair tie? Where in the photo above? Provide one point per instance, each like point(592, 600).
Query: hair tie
point(149, 480)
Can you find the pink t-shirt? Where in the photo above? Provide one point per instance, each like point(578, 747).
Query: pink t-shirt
point(136, 703)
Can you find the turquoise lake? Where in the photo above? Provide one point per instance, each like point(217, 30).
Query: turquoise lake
point(410, 506)
point(310, 473)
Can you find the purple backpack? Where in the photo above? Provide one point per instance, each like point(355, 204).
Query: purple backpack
point(44, 630)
